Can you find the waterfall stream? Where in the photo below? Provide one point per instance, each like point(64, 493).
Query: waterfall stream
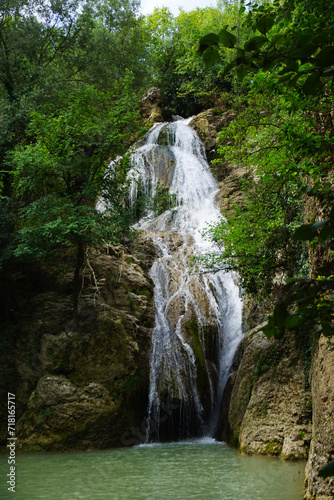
point(198, 314)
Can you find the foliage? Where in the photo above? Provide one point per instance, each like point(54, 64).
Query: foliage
point(50, 49)
point(70, 149)
point(290, 60)
point(186, 84)
point(118, 43)
point(257, 239)
point(308, 303)
point(69, 72)
point(58, 177)
point(294, 36)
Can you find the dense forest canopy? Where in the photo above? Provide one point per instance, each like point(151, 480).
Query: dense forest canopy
point(71, 77)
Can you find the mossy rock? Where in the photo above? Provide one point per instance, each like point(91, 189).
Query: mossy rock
point(273, 448)
point(192, 328)
point(166, 137)
point(203, 384)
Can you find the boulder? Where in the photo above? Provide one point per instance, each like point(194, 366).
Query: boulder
point(270, 406)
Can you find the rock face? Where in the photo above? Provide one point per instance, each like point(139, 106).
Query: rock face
point(320, 255)
point(152, 108)
point(322, 373)
point(230, 192)
point(322, 443)
point(86, 386)
point(208, 124)
point(266, 406)
point(270, 408)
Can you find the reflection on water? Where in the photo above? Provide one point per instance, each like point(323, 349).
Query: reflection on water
point(199, 469)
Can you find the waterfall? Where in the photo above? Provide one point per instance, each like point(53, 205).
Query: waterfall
point(198, 314)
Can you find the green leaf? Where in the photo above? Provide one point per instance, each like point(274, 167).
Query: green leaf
point(278, 38)
point(278, 333)
point(240, 59)
point(305, 51)
point(319, 224)
point(311, 84)
point(307, 232)
point(227, 39)
point(269, 329)
point(331, 216)
point(210, 57)
point(293, 66)
point(241, 71)
point(228, 68)
point(293, 321)
point(325, 57)
point(280, 314)
point(304, 233)
point(327, 330)
point(285, 78)
point(207, 41)
point(327, 233)
point(294, 80)
point(264, 24)
point(327, 470)
point(255, 43)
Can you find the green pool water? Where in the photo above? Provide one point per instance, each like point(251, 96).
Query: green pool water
point(200, 469)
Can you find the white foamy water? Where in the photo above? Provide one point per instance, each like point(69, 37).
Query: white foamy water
point(174, 155)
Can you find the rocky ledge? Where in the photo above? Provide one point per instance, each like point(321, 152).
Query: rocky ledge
point(274, 405)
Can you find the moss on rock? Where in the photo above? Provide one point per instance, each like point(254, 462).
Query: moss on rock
point(83, 386)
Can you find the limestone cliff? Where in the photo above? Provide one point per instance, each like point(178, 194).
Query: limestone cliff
point(270, 406)
point(322, 442)
point(85, 386)
point(208, 124)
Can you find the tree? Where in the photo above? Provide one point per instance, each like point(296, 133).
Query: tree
point(117, 43)
point(34, 38)
point(290, 58)
point(49, 49)
point(67, 106)
point(59, 176)
point(256, 240)
point(186, 84)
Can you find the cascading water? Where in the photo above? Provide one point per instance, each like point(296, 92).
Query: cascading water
point(198, 315)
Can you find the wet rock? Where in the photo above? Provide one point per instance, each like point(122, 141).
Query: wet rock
point(84, 386)
point(270, 408)
point(322, 442)
point(61, 415)
point(152, 108)
point(164, 161)
point(208, 124)
point(230, 190)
